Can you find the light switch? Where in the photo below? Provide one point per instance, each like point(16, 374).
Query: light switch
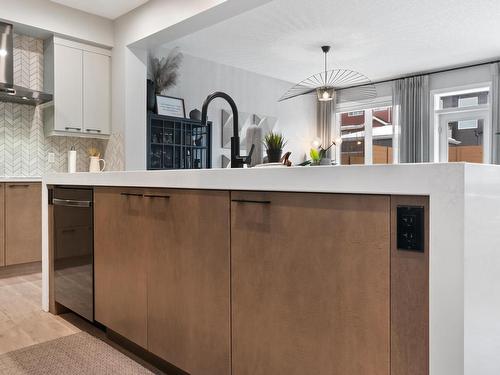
point(52, 157)
point(410, 228)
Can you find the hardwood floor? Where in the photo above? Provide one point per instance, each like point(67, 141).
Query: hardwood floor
point(22, 322)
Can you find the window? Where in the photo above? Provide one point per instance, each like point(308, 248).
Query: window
point(462, 125)
point(463, 100)
point(367, 137)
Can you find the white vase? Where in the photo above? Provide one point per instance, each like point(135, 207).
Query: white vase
point(95, 164)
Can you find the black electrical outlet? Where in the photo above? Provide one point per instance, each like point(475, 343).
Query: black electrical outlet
point(410, 230)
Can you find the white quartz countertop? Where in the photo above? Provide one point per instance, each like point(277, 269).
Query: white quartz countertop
point(20, 179)
point(417, 179)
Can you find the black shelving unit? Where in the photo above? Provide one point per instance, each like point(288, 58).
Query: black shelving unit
point(178, 143)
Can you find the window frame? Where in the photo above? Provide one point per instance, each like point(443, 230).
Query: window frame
point(436, 114)
point(368, 107)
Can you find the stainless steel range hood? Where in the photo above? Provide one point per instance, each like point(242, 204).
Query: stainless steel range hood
point(8, 91)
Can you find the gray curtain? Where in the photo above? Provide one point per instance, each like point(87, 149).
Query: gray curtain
point(411, 97)
point(325, 119)
point(495, 105)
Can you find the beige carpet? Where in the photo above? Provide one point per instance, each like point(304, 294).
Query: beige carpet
point(77, 354)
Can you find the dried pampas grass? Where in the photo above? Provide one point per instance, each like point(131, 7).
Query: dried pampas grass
point(164, 71)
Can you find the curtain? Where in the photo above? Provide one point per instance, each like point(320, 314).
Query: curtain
point(411, 99)
point(495, 106)
point(325, 119)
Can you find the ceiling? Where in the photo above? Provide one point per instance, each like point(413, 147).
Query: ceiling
point(105, 8)
point(381, 39)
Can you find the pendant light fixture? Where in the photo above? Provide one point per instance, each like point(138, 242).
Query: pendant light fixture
point(325, 93)
point(325, 85)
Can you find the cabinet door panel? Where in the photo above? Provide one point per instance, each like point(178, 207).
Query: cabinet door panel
point(188, 288)
point(68, 89)
point(120, 263)
point(23, 223)
point(96, 93)
point(310, 284)
point(2, 225)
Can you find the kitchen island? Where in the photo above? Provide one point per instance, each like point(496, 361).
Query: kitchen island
point(457, 317)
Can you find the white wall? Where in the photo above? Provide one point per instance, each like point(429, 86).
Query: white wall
point(58, 19)
point(149, 26)
point(253, 93)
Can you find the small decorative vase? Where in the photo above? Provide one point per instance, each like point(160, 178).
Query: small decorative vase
point(274, 156)
point(95, 164)
point(195, 114)
point(151, 95)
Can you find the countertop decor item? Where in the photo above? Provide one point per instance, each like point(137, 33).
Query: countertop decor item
point(72, 160)
point(325, 85)
point(318, 155)
point(170, 106)
point(95, 160)
point(164, 71)
point(274, 143)
point(195, 114)
point(254, 137)
point(151, 95)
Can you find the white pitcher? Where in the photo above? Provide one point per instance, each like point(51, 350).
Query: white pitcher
point(95, 164)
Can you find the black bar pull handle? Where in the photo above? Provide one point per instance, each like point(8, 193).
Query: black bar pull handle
point(250, 201)
point(152, 196)
point(132, 195)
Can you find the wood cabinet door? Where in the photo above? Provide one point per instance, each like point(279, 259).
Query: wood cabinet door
point(23, 223)
point(68, 89)
point(310, 284)
point(189, 282)
point(120, 262)
point(2, 225)
point(96, 93)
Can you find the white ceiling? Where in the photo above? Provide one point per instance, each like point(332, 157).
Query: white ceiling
point(105, 8)
point(381, 39)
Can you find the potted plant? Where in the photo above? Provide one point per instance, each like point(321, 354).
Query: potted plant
point(318, 155)
point(274, 143)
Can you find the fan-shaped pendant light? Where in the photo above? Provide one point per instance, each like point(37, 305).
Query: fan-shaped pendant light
point(355, 86)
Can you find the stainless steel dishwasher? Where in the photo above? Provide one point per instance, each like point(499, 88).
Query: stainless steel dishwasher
point(73, 250)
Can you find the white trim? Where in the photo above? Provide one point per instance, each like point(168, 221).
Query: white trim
point(81, 46)
point(368, 137)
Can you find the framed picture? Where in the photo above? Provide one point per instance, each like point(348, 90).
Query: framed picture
point(170, 106)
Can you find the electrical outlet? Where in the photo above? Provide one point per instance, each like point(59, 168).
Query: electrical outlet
point(410, 228)
point(52, 157)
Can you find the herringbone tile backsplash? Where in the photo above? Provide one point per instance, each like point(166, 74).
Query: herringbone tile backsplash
point(24, 149)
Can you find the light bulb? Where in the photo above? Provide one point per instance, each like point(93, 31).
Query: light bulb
point(3, 52)
point(325, 94)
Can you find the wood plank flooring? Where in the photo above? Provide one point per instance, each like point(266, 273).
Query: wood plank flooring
point(22, 322)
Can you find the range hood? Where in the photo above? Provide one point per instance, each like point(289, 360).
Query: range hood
point(8, 91)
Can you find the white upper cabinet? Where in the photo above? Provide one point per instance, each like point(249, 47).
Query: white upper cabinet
point(79, 77)
point(96, 93)
point(68, 92)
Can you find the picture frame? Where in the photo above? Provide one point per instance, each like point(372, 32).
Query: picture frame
point(170, 106)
